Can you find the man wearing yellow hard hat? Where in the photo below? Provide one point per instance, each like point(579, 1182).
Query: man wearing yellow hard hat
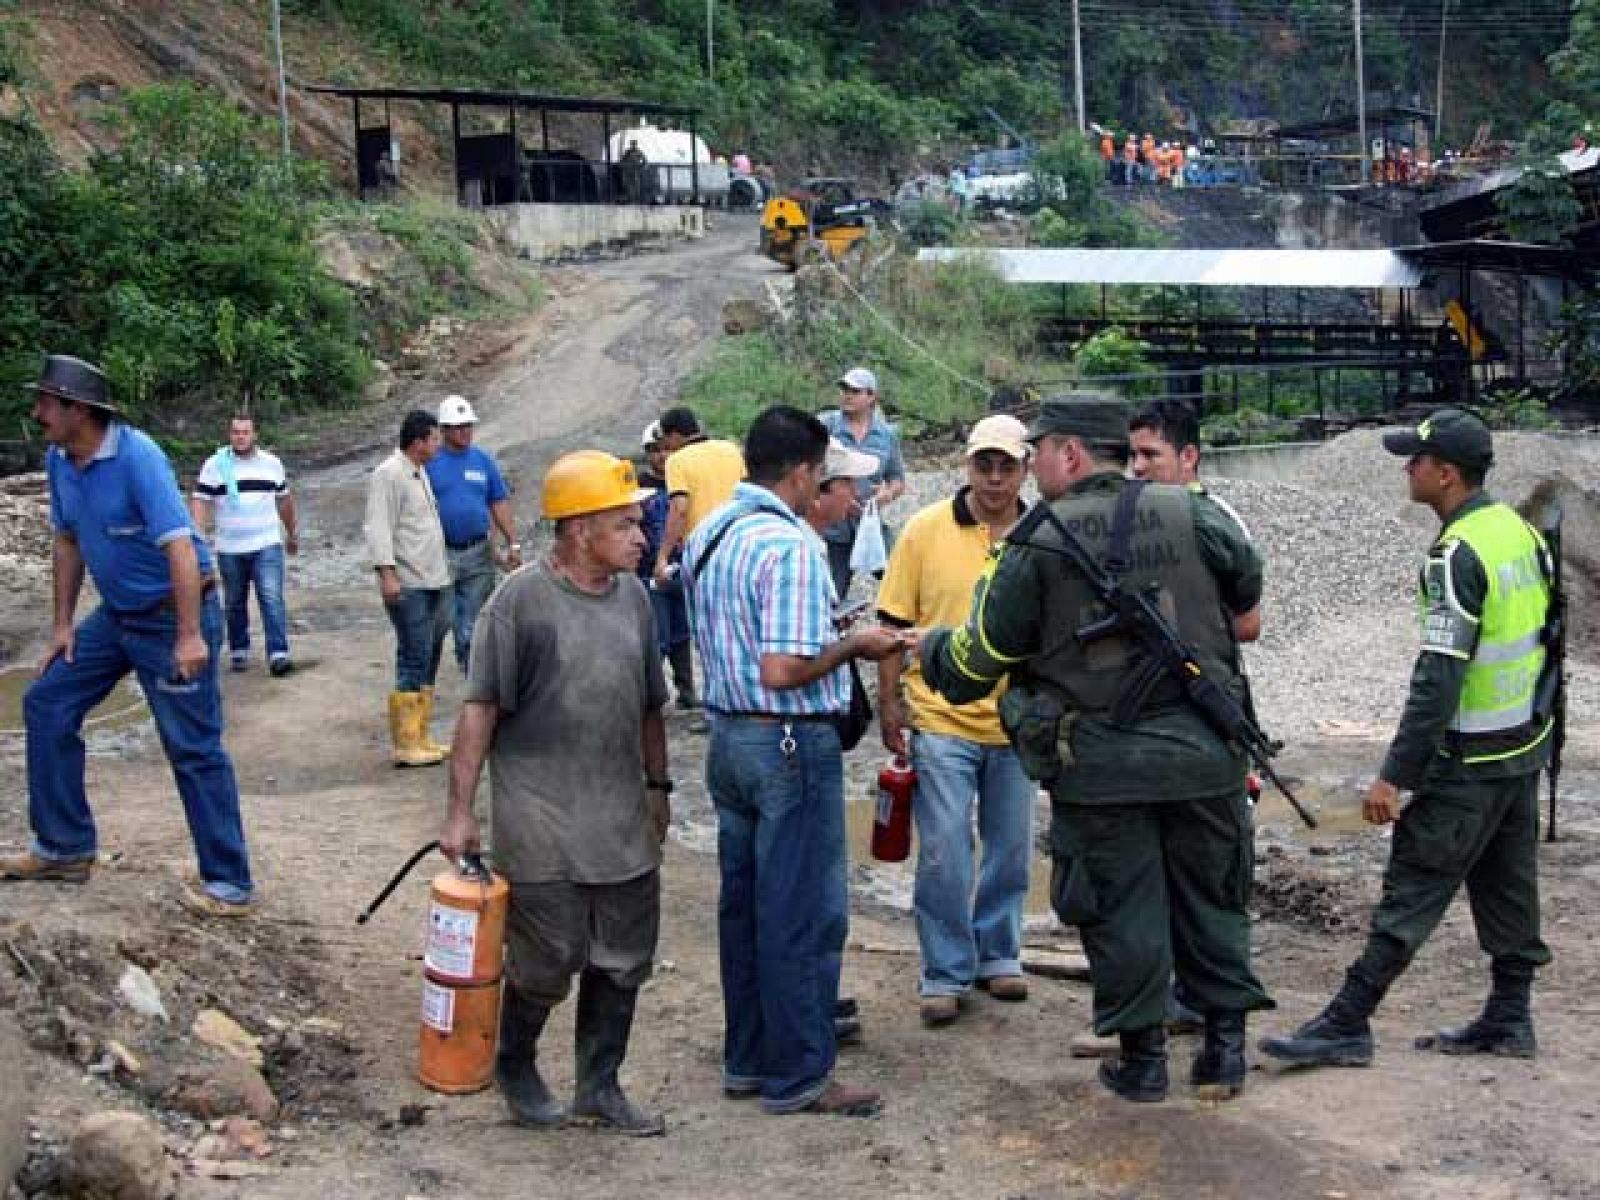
point(564, 696)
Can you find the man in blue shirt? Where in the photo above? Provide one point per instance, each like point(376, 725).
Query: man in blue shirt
point(775, 681)
point(472, 496)
point(860, 426)
point(117, 511)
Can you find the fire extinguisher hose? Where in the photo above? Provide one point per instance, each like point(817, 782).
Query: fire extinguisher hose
point(399, 877)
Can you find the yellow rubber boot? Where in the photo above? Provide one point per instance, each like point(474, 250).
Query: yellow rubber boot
point(405, 727)
point(443, 748)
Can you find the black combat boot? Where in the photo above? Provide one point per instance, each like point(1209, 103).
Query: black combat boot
point(1219, 1069)
point(681, 658)
point(1340, 1035)
point(1505, 1027)
point(1139, 1073)
point(515, 1067)
point(605, 1019)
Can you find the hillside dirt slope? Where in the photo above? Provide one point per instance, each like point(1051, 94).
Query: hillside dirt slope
point(991, 1107)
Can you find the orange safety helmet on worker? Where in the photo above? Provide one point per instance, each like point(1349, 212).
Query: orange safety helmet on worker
point(589, 481)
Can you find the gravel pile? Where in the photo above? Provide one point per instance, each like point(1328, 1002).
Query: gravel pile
point(1342, 545)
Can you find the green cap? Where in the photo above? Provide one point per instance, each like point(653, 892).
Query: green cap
point(1093, 416)
point(1450, 434)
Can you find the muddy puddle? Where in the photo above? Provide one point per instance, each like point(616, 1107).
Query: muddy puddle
point(122, 710)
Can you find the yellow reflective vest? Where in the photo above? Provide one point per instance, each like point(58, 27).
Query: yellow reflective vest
point(1504, 643)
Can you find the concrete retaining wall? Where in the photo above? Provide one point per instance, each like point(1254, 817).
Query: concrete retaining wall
point(552, 230)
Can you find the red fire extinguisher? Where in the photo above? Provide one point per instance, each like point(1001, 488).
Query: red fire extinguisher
point(891, 830)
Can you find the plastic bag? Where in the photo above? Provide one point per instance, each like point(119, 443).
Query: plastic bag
point(869, 554)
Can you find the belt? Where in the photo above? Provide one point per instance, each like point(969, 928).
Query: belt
point(468, 544)
point(779, 718)
point(166, 603)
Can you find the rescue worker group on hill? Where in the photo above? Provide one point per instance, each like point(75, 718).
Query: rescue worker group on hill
point(749, 554)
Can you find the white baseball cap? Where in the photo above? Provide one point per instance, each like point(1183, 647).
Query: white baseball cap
point(859, 378)
point(454, 410)
point(999, 432)
point(845, 463)
point(651, 435)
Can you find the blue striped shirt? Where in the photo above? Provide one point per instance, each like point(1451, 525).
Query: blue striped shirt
point(765, 591)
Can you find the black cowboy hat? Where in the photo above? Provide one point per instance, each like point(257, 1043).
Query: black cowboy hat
point(75, 380)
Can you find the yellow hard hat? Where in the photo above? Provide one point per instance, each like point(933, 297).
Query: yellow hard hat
point(589, 481)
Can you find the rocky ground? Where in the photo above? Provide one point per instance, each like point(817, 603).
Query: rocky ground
point(275, 1058)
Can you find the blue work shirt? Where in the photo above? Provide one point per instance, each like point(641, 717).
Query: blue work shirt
point(123, 507)
point(465, 483)
point(883, 443)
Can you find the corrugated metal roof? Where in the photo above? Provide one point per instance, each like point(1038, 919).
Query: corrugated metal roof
point(1197, 268)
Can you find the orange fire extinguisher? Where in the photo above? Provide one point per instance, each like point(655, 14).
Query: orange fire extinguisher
point(462, 961)
point(891, 830)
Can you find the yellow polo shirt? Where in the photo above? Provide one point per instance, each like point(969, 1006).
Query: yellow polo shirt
point(935, 565)
point(706, 473)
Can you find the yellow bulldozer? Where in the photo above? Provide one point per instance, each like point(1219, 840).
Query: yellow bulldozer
point(822, 218)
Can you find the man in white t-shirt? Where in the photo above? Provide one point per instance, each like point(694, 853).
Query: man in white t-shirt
point(244, 488)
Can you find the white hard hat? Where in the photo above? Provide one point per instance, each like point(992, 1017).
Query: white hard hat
point(454, 410)
point(651, 435)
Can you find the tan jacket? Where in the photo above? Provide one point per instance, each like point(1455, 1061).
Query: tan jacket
point(402, 526)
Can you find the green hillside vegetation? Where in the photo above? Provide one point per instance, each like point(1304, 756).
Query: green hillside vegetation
point(185, 262)
point(853, 85)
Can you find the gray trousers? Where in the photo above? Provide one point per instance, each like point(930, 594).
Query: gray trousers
point(555, 930)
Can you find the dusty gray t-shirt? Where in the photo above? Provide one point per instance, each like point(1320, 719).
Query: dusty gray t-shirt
point(572, 675)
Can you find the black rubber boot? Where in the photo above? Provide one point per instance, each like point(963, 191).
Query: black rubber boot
point(515, 1067)
point(1219, 1069)
point(1505, 1027)
point(605, 1019)
point(1139, 1073)
point(1340, 1035)
point(681, 659)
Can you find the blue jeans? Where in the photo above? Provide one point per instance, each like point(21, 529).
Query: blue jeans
point(967, 935)
point(414, 617)
point(188, 716)
point(671, 611)
point(783, 911)
point(474, 573)
point(264, 568)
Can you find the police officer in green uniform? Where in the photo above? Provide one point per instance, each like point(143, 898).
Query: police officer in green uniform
point(1150, 835)
point(1470, 747)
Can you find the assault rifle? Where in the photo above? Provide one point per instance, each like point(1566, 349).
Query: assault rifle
point(1165, 655)
point(1551, 698)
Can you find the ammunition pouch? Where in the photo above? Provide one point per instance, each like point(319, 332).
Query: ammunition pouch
point(1032, 716)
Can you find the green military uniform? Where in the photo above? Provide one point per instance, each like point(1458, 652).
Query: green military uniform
point(1470, 746)
point(1151, 832)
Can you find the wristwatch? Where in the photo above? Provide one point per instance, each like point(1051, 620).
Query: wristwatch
point(664, 786)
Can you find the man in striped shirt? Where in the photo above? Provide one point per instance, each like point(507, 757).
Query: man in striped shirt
point(247, 491)
point(775, 682)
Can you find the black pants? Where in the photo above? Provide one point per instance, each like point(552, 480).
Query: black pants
point(1158, 889)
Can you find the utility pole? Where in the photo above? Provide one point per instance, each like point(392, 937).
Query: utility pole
point(283, 91)
point(711, 42)
point(1361, 102)
point(1077, 66)
point(1438, 91)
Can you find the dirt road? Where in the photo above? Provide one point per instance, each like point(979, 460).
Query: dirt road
point(991, 1107)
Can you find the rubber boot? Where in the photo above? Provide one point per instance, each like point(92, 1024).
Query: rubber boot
point(516, 1067)
point(405, 721)
point(442, 749)
point(1504, 1027)
point(1139, 1072)
point(1219, 1068)
point(681, 658)
point(1338, 1036)
point(605, 1019)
